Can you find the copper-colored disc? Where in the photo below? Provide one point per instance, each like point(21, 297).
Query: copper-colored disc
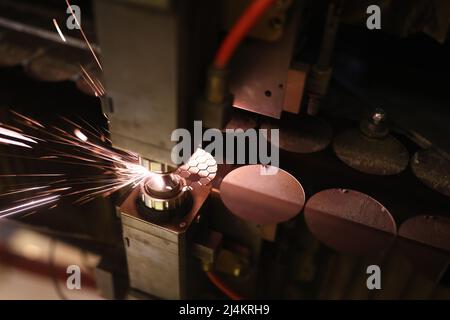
point(382, 156)
point(432, 169)
point(262, 199)
point(350, 222)
point(425, 240)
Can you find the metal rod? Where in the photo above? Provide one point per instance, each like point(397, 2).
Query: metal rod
point(44, 34)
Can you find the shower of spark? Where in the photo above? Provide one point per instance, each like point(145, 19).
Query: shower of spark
point(77, 147)
point(15, 135)
point(32, 204)
point(93, 82)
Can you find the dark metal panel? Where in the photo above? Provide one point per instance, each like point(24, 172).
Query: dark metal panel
point(260, 69)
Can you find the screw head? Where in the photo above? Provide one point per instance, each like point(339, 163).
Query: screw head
point(378, 116)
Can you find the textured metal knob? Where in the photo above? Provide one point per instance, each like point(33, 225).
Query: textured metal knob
point(165, 191)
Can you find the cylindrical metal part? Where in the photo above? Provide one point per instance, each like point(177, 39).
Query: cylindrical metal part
point(163, 192)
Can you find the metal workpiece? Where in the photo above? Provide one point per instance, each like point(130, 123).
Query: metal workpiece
point(350, 222)
point(425, 241)
point(418, 261)
point(371, 149)
point(260, 70)
point(262, 200)
point(158, 254)
point(166, 191)
point(200, 170)
point(433, 169)
point(433, 231)
point(385, 156)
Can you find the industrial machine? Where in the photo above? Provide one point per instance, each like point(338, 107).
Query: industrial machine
point(349, 97)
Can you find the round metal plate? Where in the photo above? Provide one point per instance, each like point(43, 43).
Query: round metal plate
point(262, 199)
point(350, 221)
point(384, 156)
point(425, 240)
point(433, 170)
point(309, 135)
point(430, 230)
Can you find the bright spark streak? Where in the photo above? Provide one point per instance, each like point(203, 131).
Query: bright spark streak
point(14, 134)
point(96, 86)
point(84, 36)
point(27, 206)
point(59, 30)
point(23, 190)
point(117, 169)
point(32, 121)
point(32, 175)
point(80, 135)
point(12, 142)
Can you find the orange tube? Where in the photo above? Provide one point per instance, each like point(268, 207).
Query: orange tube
point(222, 286)
point(247, 20)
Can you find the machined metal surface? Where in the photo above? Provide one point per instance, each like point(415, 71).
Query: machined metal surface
point(152, 86)
point(379, 156)
point(143, 87)
point(157, 254)
point(200, 170)
point(164, 191)
point(425, 240)
point(429, 230)
point(433, 169)
point(260, 71)
point(350, 222)
point(262, 199)
point(307, 134)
